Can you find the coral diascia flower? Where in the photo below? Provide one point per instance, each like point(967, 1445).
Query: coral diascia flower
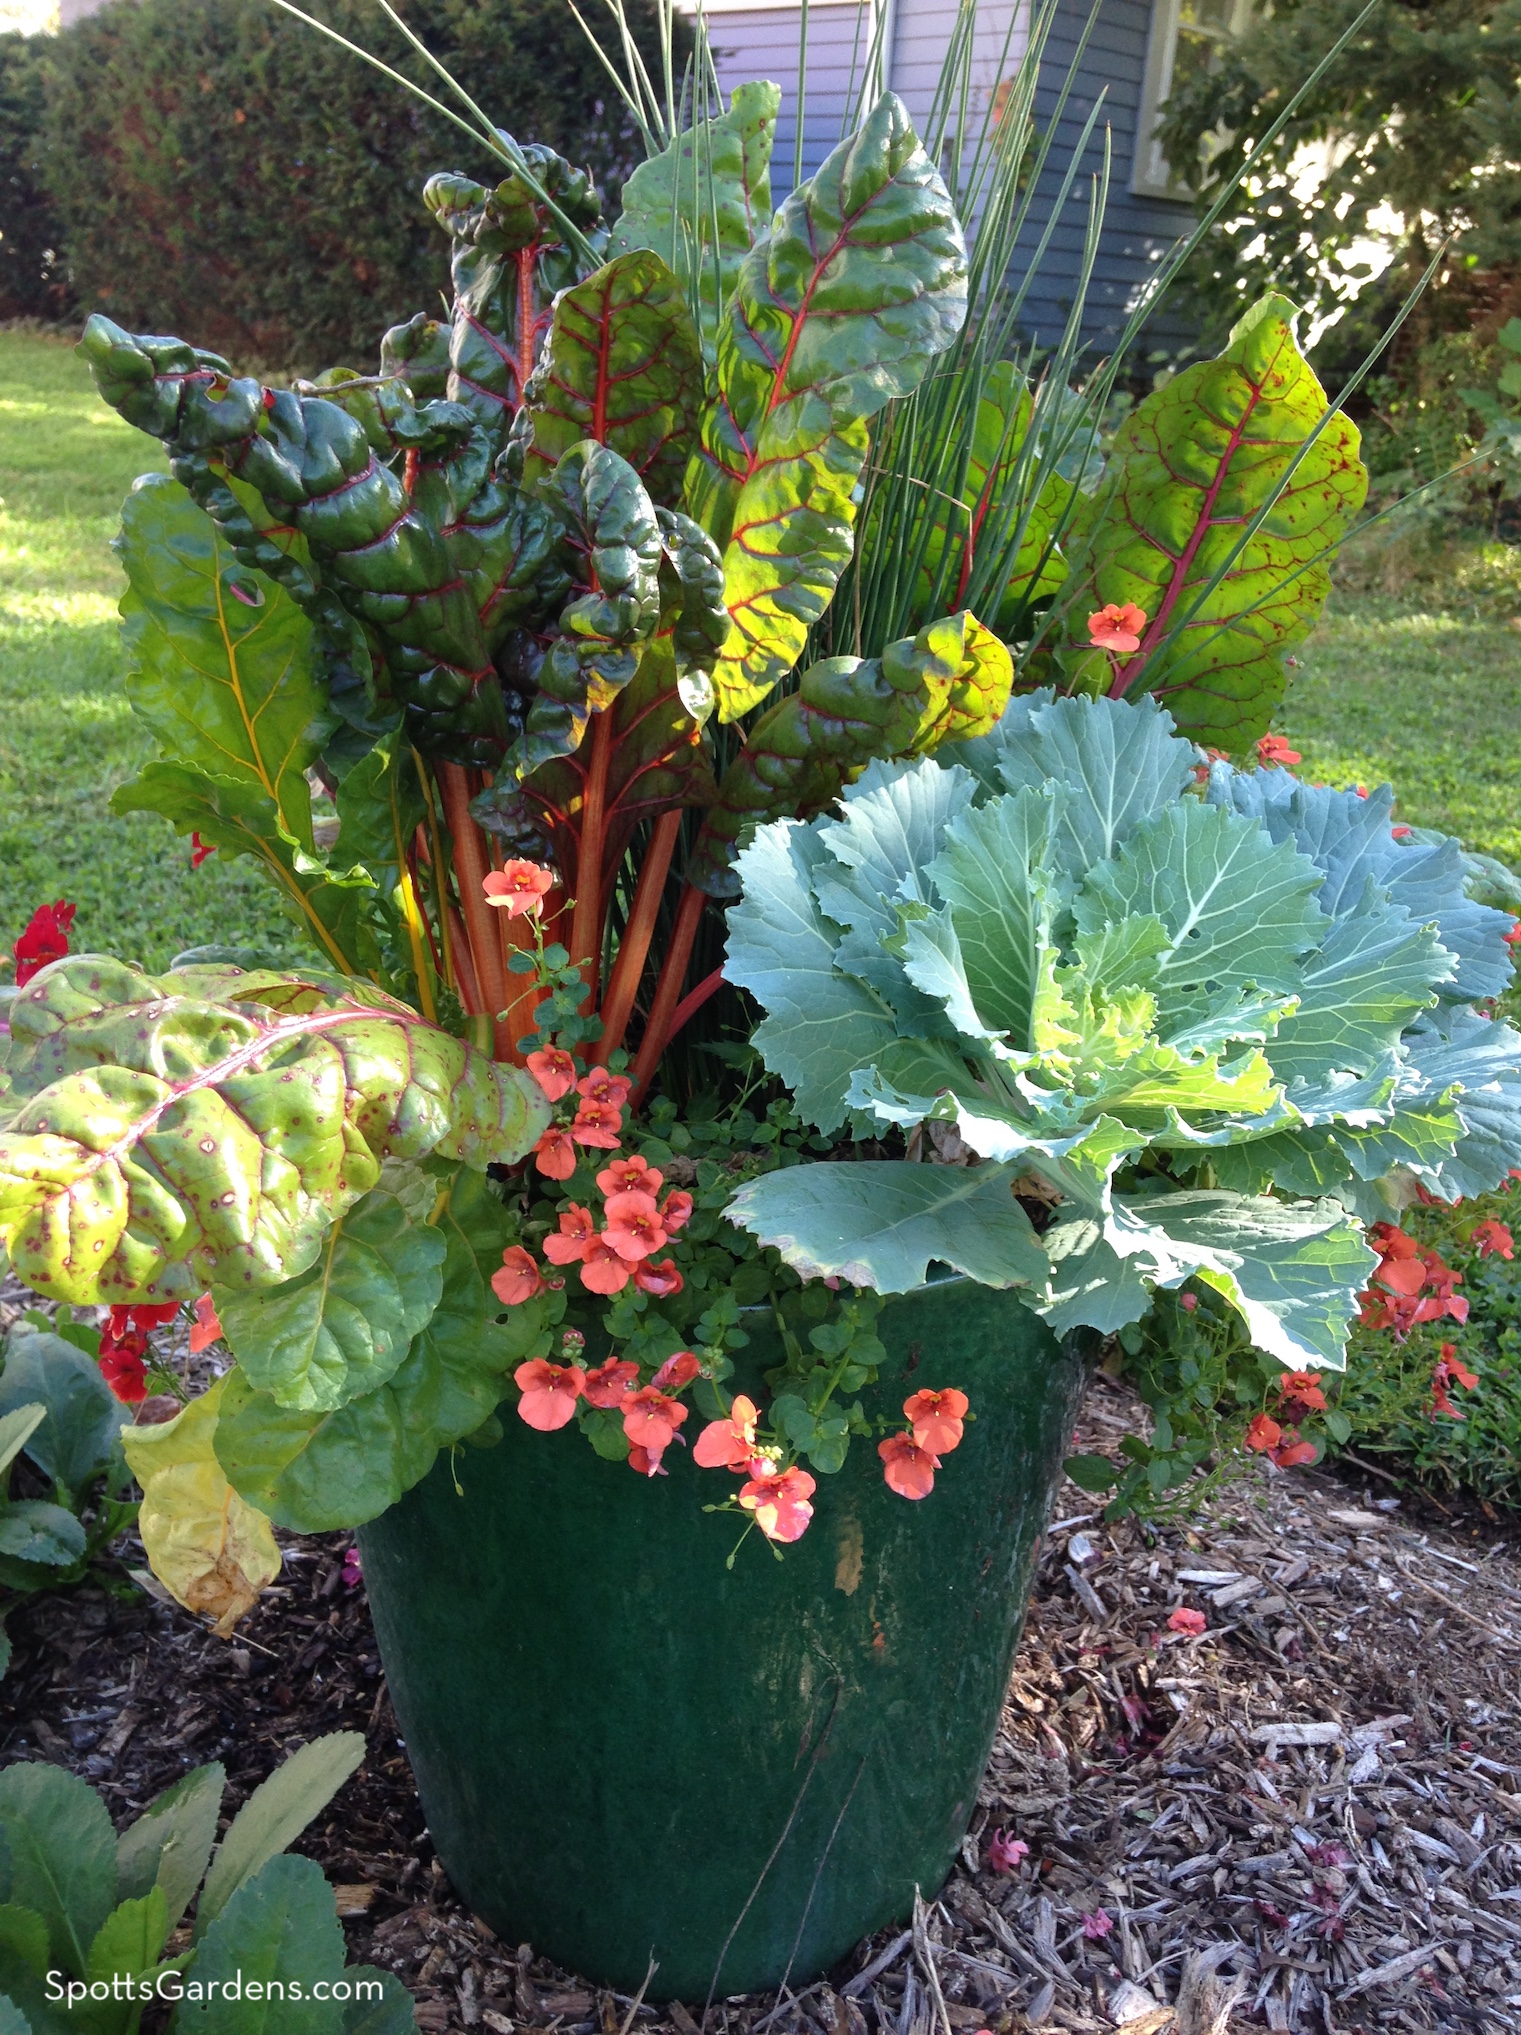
point(598, 1123)
point(729, 1444)
point(610, 1384)
point(576, 1235)
point(908, 1468)
point(633, 1227)
point(1275, 749)
point(518, 887)
point(779, 1500)
point(1117, 628)
point(555, 1154)
point(936, 1419)
point(550, 1392)
point(626, 1174)
point(1493, 1240)
point(518, 1278)
point(554, 1070)
point(45, 939)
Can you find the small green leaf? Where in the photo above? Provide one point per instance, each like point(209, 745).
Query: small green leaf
point(33, 1531)
point(389, 2013)
point(274, 1816)
point(1091, 1473)
point(130, 1942)
point(17, 1428)
point(169, 1846)
point(79, 1436)
point(12, 2020)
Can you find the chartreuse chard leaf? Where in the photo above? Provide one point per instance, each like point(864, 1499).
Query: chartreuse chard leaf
point(169, 1846)
point(860, 283)
point(1131, 1004)
point(280, 1934)
point(130, 1941)
point(702, 203)
point(164, 1141)
point(622, 366)
point(1190, 469)
point(211, 1550)
point(847, 711)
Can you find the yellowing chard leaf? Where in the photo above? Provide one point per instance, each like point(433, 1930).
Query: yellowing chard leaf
point(159, 1142)
point(861, 282)
point(1190, 469)
point(210, 1548)
point(623, 366)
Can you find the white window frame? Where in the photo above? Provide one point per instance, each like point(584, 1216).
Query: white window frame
point(1151, 175)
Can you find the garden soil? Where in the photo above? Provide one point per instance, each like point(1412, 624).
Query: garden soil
point(1306, 1818)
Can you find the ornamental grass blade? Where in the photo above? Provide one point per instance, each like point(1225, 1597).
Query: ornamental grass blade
point(165, 1140)
point(622, 365)
point(861, 282)
point(213, 1552)
point(1191, 464)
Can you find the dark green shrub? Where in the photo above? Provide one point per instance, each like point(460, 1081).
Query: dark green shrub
point(32, 280)
point(222, 170)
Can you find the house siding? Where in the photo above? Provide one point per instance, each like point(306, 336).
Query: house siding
point(763, 42)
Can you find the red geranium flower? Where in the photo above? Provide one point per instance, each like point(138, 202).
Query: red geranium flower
point(936, 1418)
point(550, 1392)
point(554, 1155)
point(44, 939)
point(610, 1384)
point(598, 1123)
point(518, 887)
point(576, 1234)
point(676, 1371)
point(1275, 749)
point(554, 1070)
point(602, 1270)
point(125, 1373)
point(519, 1278)
point(729, 1444)
point(633, 1226)
point(1117, 628)
point(1494, 1240)
point(650, 1419)
point(659, 1278)
point(779, 1500)
point(629, 1174)
point(908, 1468)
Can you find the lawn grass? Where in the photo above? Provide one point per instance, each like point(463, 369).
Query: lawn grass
point(67, 737)
point(1421, 688)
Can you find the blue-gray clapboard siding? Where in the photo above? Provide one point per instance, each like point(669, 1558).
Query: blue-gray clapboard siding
point(763, 42)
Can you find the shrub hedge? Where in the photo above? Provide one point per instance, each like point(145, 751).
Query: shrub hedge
point(217, 169)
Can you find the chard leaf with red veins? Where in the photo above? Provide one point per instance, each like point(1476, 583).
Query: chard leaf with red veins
point(1190, 469)
point(622, 366)
point(952, 680)
point(703, 202)
point(859, 285)
point(156, 1142)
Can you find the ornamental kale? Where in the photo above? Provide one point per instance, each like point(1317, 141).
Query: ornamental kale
point(1179, 1031)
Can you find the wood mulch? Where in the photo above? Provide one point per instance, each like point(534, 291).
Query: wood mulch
point(1308, 1818)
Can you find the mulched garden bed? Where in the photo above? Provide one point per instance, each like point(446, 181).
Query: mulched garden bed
point(1308, 1818)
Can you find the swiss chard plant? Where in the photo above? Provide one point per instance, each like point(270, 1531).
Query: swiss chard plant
point(1180, 1030)
point(494, 657)
point(96, 1928)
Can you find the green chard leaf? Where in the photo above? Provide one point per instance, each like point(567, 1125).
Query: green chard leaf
point(860, 283)
point(61, 1852)
point(165, 1140)
point(281, 1926)
point(702, 203)
point(622, 366)
point(1190, 468)
point(169, 1846)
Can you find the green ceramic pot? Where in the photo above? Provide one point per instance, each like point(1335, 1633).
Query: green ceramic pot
point(626, 1748)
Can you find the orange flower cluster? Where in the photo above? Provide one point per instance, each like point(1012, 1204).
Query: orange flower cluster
point(935, 1426)
point(1410, 1285)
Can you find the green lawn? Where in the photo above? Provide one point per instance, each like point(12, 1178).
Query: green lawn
point(1389, 688)
point(67, 738)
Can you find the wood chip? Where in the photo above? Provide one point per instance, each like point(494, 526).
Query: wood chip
point(1391, 1973)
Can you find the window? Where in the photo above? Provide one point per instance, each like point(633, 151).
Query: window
point(1188, 37)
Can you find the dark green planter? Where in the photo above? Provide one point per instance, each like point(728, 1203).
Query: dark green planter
point(625, 1749)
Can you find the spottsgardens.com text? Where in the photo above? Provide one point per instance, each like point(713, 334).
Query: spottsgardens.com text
point(173, 1986)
